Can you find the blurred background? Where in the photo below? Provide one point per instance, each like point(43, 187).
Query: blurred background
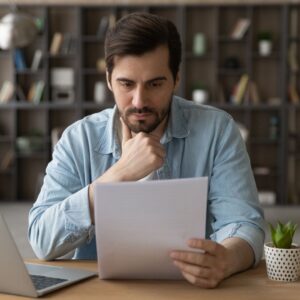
point(240, 56)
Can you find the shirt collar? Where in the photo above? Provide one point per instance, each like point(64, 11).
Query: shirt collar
point(176, 128)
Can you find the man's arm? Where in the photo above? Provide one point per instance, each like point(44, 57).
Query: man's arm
point(234, 216)
point(141, 155)
point(217, 262)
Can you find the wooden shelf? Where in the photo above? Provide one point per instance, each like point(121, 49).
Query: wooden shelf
point(216, 20)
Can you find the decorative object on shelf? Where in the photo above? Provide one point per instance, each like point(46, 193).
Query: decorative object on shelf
point(101, 65)
point(200, 94)
point(17, 29)
point(282, 256)
point(232, 63)
point(265, 43)
point(33, 142)
point(100, 92)
point(62, 83)
point(240, 28)
point(265, 197)
point(199, 44)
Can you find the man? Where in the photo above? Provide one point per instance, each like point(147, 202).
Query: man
point(151, 134)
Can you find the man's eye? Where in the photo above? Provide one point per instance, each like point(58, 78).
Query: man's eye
point(126, 84)
point(156, 84)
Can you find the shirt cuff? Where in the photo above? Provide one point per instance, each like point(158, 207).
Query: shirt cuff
point(77, 216)
point(252, 234)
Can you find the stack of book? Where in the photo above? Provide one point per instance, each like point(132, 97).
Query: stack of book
point(35, 92)
point(62, 43)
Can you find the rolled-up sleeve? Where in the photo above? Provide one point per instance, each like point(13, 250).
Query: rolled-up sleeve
point(233, 206)
point(59, 220)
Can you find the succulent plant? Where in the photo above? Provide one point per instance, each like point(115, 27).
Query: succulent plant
point(282, 235)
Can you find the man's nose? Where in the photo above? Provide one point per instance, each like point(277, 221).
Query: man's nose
point(139, 99)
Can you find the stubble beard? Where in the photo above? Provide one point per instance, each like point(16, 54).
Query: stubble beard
point(141, 125)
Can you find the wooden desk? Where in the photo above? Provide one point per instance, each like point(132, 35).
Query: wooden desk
point(252, 284)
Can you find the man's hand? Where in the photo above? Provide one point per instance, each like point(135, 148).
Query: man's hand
point(141, 154)
point(215, 263)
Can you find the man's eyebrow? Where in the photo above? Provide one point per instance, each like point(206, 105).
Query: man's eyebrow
point(157, 79)
point(148, 81)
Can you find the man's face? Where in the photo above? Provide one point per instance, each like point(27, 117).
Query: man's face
point(143, 87)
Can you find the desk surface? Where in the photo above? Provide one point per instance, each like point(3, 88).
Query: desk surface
point(252, 284)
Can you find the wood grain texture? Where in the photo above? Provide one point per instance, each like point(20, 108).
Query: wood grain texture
point(249, 285)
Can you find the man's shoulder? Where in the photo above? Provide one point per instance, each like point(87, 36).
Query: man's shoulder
point(96, 121)
point(201, 112)
point(91, 127)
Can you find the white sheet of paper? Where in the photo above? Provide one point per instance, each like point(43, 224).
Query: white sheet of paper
point(139, 223)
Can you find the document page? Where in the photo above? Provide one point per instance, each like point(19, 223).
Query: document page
point(139, 223)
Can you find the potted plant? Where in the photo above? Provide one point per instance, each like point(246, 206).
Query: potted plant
point(282, 256)
point(265, 43)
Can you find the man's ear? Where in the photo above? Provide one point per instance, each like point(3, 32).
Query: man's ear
point(108, 80)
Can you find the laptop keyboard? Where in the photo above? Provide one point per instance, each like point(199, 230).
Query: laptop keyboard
point(42, 282)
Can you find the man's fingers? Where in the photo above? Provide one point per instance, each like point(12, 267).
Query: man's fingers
point(194, 258)
point(193, 269)
point(126, 133)
point(201, 282)
point(208, 246)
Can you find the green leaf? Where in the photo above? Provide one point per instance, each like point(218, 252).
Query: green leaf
point(282, 235)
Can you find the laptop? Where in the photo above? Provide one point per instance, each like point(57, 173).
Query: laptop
point(32, 280)
point(139, 223)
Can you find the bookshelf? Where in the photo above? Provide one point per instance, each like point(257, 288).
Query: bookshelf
point(272, 121)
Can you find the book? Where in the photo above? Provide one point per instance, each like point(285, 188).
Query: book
point(31, 92)
point(7, 160)
point(240, 28)
point(240, 89)
point(102, 28)
point(66, 43)
point(253, 93)
point(293, 94)
point(38, 92)
point(36, 61)
point(56, 43)
point(35, 92)
point(7, 91)
point(19, 60)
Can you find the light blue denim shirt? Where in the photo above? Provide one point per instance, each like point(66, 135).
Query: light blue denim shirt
point(199, 141)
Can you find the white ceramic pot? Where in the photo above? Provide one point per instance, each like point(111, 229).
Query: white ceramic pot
point(265, 47)
point(200, 96)
point(282, 264)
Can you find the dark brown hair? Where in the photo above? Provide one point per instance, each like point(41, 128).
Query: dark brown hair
point(138, 33)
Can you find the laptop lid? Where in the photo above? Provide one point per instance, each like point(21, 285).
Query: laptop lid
point(15, 275)
point(139, 223)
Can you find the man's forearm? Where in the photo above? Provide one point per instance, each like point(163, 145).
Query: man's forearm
point(241, 255)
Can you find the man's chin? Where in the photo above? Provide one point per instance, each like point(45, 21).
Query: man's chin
point(142, 127)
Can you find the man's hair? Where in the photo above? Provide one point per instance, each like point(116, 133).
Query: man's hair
point(138, 33)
